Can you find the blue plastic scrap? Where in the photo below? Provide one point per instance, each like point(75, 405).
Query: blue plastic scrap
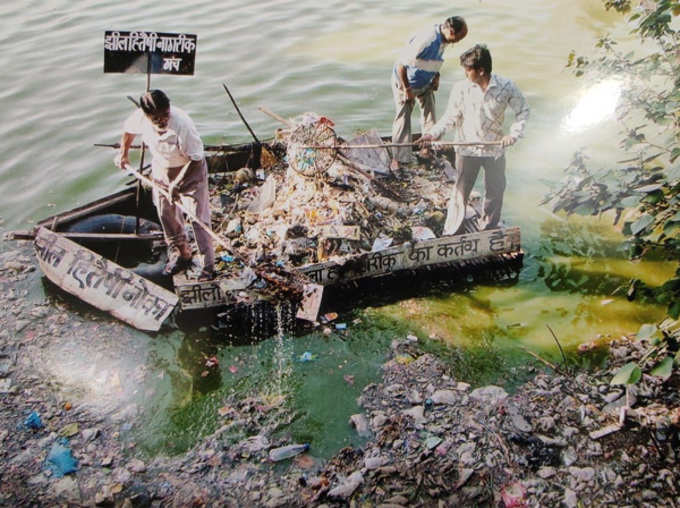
point(60, 460)
point(33, 421)
point(307, 357)
point(341, 326)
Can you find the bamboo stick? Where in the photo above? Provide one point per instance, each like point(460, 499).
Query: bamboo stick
point(193, 217)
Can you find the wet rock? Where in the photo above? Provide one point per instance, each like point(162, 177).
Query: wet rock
point(489, 395)
point(584, 474)
point(276, 497)
point(570, 499)
point(614, 407)
point(21, 324)
point(552, 441)
point(360, 423)
point(517, 420)
point(378, 420)
point(190, 494)
point(612, 396)
point(546, 472)
point(395, 501)
point(255, 443)
point(67, 489)
point(649, 495)
point(90, 434)
point(121, 475)
point(375, 462)
point(5, 367)
point(136, 466)
point(414, 397)
point(462, 387)
point(347, 486)
point(444, 397)
point(416, 412)
point(569, 457)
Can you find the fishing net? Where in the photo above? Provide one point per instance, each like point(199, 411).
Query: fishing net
point(312, 148)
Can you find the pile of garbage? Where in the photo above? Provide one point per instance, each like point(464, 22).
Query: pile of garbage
point(356, 205)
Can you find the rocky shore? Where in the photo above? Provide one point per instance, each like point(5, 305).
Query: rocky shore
point(432, 440)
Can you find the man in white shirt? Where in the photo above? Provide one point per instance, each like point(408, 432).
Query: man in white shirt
point(178, 165)
point(476, 111)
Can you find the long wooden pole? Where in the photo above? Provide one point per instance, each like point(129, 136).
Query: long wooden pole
point(241, 115)
point(193, 217)
point(387, 145)
point(382, 145)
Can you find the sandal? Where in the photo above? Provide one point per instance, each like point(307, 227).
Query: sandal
point(206, 275)
point(176, 263)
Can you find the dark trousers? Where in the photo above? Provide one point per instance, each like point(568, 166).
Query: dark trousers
point(494, 184)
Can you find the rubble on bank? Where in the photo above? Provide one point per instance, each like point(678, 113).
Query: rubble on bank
point(434, 440)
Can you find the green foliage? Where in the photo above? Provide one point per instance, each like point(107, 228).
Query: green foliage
point(645, 189)
point(629, 374)
point(664, 369)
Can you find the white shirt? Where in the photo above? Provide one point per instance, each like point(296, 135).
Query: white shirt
point(478, 116)
point(176, 146)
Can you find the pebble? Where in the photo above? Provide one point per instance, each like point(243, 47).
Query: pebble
point(21, 324)
point(448, 397)
point(546, 472)
point(360, 423)
point(489, 395)
point(416, 412)
point(66, 488)
point(585, 474)
point(375, 462)
point(348, 486)
point(570, 499)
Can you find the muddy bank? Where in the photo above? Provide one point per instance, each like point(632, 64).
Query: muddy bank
point(432, 439)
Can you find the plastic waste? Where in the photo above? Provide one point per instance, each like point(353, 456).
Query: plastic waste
point(380, 243)
point(60, 459)
point(286, 452)
point(341, 326)
point(306, 357)
point(227, 258)
point(33, 421)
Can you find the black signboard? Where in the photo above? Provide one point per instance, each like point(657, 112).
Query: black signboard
point(149, 52)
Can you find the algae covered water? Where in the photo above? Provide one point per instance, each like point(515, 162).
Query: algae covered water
point(334, 59)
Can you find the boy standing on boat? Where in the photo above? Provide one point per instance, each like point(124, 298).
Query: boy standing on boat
point(476, 110)
point(415, 76)
point(178, 165)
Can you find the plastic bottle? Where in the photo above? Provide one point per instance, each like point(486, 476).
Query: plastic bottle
point(286, 452)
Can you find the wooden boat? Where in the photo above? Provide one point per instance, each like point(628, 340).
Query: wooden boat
point(68, 259)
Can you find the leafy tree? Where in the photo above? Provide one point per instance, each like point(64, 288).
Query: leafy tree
point(644, 191)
